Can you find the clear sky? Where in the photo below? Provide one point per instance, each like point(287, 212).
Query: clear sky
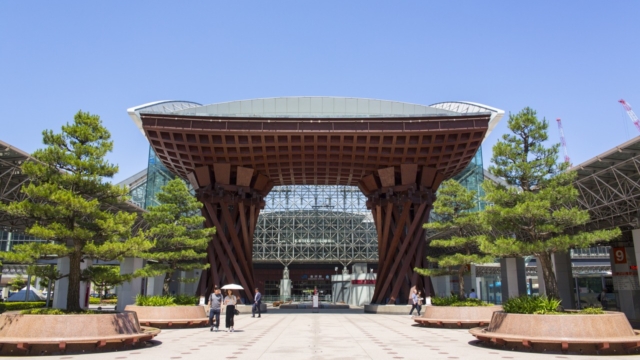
point(567, 59)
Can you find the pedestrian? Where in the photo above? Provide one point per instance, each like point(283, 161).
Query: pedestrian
point(230, 303)
point(602, 297)
point(420, 299)
point(415, 303)
point(215, 304)
point(472, 294)
point(257, 301)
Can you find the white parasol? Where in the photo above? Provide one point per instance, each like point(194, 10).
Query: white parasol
point(232, 287)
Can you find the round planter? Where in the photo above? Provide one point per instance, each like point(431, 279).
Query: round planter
point(55, 334)
point(171, 316)
point(457, 316)
point(608, 333)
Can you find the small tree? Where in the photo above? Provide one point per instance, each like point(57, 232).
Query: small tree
point(531, 216)
point(176, 228)
point(460, 229)
point(18, 283)
point(71, 205)
point(105, 278)
point(48, 276)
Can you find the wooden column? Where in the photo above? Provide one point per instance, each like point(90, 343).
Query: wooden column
point(232, 198)
point(400, 199)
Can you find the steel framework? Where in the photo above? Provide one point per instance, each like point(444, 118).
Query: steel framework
point(609, 186)
point(12, 179)
point(307, 223)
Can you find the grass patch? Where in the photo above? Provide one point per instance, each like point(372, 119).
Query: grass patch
point(167, 300)
point(454, 300)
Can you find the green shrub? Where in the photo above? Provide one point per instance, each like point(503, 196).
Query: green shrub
point(454, 300)
point(592, 311)
point(532, 305)
point(186, 300)
point(57, 312)
point(166, 300)
point(97, 301)
point(13, 306)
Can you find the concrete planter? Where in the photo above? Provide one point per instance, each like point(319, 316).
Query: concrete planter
point(55, 334)
point(608, 333)
point(171, 316)
point(456, 316)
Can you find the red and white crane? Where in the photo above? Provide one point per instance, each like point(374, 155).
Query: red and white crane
point(630, 112)
point(563, 142)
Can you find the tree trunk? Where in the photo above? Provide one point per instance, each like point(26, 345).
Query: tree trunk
point(73, 293)
point(167, 281)
point(461, 293)
point(550, 282)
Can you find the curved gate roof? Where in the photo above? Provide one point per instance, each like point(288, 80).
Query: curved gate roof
point(312, 140)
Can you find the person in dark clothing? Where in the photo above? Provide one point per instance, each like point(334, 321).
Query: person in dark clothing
point(215, 305)
point(257, 301)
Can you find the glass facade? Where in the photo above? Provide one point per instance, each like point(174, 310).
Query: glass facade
point(472, 177)
point(10, 239)
point(157, 177)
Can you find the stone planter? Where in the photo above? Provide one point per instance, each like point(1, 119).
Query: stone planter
point(608, 333)
point(171, 316)
point(391, 309)
point(456, 316)
point(56, 334)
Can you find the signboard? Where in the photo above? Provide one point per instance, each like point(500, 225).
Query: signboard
point(363, 282)
point(619, 255)
point(627, 280)
point(624, 270)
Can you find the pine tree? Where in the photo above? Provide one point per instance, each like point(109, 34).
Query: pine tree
point(458, 229)
point(70, 204)
point(537, 213)
point(176, 227)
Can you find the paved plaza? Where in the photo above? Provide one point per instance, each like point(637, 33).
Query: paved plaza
point(301, 334)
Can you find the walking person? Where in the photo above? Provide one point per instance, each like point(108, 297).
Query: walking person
point(415, 303)
point(230, 303)
point(257, 301)
point(215, 305)
point(420, 299)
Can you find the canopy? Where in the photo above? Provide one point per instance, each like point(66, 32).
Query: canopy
point(34, 295)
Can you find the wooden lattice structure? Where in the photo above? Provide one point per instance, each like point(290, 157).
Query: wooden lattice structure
point(398, 162)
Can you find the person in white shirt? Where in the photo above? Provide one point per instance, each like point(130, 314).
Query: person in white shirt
point(230, 303)
point(473, 294)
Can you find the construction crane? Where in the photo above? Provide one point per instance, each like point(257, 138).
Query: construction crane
point(563, 142)
point(630, 112)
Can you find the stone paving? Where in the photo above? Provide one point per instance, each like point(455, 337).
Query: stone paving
point(300, 334)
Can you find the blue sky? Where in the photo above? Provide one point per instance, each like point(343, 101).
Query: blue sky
point(567, 59)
